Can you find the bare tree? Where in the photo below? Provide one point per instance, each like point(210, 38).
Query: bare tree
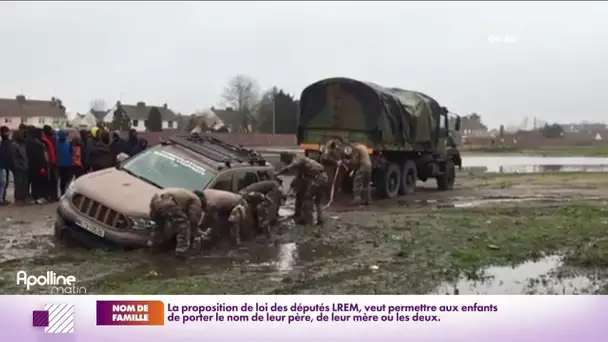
point(98, 104)
point(242, 93)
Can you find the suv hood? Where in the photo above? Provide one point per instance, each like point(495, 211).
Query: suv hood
point(117, 190)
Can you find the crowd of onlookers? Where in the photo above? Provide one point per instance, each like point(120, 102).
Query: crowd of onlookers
point(43, 161)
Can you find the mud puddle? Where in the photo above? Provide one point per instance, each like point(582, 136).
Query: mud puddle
point(25, 232)
point(546, 276)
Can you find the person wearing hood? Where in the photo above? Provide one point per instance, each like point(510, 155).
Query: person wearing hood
point(132, 144)
point(49, 140)
point(38, 174)
point(64, 160)
point(20, 167)
point(5, 163)
point(101, 157)
point(117, 145)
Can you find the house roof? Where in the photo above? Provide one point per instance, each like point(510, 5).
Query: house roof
point(229, 117)
point(141, 111)
point(99, 114)
point(23, 107)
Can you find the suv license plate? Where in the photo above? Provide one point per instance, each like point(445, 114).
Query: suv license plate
point(87, 226)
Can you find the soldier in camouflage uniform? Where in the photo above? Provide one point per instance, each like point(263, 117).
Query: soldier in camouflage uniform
point(177, 210)
point(312, 179)
point(358, 160)
point(251, 203)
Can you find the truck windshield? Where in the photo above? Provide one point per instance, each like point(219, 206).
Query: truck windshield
point(167, 170)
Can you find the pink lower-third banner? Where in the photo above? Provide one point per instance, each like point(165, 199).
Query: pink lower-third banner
point(89, 318)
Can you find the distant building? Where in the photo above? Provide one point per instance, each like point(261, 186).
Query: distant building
point(86, 120)
point(138, 114)
point(232, 119)
point(39, 113)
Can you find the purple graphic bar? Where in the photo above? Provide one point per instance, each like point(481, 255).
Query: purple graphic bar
point(479, 318)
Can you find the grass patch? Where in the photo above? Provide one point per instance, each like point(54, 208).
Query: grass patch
point(376, 251)
point(570, 180)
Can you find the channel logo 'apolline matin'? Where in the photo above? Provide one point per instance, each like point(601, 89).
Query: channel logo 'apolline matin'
point(55, 318)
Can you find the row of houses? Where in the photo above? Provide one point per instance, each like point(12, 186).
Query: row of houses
point(34, 112)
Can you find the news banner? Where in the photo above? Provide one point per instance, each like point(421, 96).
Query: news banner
point(90, 318)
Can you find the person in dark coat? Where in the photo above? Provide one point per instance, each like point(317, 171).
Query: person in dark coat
point(5, 162)
point(20, 167)
point(38, 173)
point(132, 145)
point(84, 143)
point(143, 144)
point(117, 145)
point(100, 155)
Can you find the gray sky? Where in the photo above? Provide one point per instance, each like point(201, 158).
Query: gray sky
point(505, 61)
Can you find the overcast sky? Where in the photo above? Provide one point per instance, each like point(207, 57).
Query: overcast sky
point(504, 61)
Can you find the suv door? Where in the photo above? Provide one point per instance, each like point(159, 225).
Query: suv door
point(245, 178)
point(224, 182)
point(264, 175)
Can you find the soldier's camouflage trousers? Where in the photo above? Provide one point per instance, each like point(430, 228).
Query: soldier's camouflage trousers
point(298, 186)
point(361, 188)
point(169, 215)
point(236, 219)
point(262, 213)
point(311, 196)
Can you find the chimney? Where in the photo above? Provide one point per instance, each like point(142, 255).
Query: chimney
point(165, 105)
point(141, 104)
point(212, 108)
point(118, 103)
point(21, 99)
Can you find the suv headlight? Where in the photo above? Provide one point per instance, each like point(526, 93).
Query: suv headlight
point(69, 191)
point(143, 224)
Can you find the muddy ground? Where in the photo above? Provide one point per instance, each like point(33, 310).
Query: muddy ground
point(493, 234)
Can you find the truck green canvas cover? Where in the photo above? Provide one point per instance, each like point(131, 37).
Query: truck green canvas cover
point(391, 116)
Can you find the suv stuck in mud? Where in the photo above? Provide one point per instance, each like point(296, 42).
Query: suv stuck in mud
point(110, 208)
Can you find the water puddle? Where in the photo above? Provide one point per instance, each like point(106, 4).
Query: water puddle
point(531, 164)
point(533, 277)
point(282, 259)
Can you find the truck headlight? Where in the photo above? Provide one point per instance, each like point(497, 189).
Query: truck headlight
point(143, 224)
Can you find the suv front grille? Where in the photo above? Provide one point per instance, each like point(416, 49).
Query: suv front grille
point(100, 213)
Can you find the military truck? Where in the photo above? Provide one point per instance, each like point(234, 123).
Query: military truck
point(407, 133)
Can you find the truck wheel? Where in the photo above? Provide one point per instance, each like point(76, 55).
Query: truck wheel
point(409, 178)
point(445, 181)
point(388, 181)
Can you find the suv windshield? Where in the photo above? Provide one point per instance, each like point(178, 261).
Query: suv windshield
point(168, 170)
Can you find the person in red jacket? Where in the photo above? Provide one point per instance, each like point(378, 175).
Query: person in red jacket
point(48, 138)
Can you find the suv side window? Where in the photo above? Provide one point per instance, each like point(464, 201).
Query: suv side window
point(244, 179)
point(264, 176)
point(224, 182)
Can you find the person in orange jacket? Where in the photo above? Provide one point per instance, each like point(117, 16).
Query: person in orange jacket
point(77, 154)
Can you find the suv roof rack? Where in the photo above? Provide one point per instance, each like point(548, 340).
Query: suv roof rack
point(216, 149)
